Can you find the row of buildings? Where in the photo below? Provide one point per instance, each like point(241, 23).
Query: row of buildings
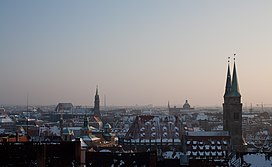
point(149, 136)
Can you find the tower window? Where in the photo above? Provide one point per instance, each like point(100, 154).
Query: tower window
point(236, 116)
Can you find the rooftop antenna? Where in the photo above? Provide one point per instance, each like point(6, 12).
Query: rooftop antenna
point(105, 104)
point(27, 114)
point(61, 122)
point(251, 109)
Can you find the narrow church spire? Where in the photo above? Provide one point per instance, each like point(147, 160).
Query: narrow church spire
point(96, 93)
point(228, 81)
point(234, 86)
point(86, 121)
point(96, 104)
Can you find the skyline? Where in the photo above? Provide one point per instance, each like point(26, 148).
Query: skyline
point(137, 52)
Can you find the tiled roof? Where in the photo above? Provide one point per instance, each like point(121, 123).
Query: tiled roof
point(207, 148)
point(208, 133)
point(154, 128)
point(21, 139)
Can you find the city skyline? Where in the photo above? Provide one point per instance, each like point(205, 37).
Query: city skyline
point(136, 52)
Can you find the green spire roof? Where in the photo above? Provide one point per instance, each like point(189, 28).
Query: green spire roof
point(228, 83)
point(235, 87)
point(86, 122)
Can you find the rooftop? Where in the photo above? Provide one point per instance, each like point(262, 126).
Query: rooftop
point(209, 133)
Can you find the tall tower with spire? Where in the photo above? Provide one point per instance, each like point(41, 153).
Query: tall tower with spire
point(97, 104)
point(85, 130)
point(232, 109)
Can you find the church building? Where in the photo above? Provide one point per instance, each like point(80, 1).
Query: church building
point(95, 119)
point(232, 109)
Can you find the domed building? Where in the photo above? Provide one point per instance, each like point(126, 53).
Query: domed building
point(107, 128)
point(86, 130)
point(186, 106)
point(108, 135)
point(178, 110)
point(86, 133)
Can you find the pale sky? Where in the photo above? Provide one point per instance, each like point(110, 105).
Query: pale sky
point(138, 52)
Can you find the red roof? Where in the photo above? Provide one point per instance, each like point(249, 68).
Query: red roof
point(21, 139)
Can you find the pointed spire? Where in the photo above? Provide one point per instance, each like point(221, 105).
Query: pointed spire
point(86, 121)
point(168, 104)
point(96, 104)
point(228, 81)
point(96, 90)
point(235, 87)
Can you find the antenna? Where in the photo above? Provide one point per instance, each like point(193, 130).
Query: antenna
point(27, 114)
point(105, 104)
point(234, 56)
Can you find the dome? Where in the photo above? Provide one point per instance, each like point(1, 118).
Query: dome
point(186, 105)
point(107, 126)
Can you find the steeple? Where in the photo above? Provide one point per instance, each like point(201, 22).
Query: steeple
point(234, 86)
point(86, 122)
point(85, 130)
point(96, 104)
point(232, 110)
point(96, 93)
point(228, 81)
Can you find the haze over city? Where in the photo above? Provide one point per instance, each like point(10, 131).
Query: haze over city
point(136, 52)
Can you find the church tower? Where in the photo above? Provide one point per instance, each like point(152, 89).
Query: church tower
point(85, 130)
point(232, 109)
point(97, 104)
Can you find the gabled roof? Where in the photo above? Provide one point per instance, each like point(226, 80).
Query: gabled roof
point(97, 119)
point(159, 128)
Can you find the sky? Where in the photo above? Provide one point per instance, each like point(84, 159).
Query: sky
point(137, 52)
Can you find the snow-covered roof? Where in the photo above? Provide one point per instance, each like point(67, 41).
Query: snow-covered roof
point(5, 119)
point(147, 127)
point(83, 144)
point(201, 117)
point(105, 150)
point(208, 133)
point(172, 155)
point(258, 159)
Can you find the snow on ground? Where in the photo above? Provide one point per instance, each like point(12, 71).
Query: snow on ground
point(258, 160)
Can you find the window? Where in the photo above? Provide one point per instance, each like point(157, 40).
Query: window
point(236, 116)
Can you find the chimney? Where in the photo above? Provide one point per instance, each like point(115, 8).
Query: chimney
point(17, 137)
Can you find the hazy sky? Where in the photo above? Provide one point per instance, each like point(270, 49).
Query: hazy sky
point(138, 52)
